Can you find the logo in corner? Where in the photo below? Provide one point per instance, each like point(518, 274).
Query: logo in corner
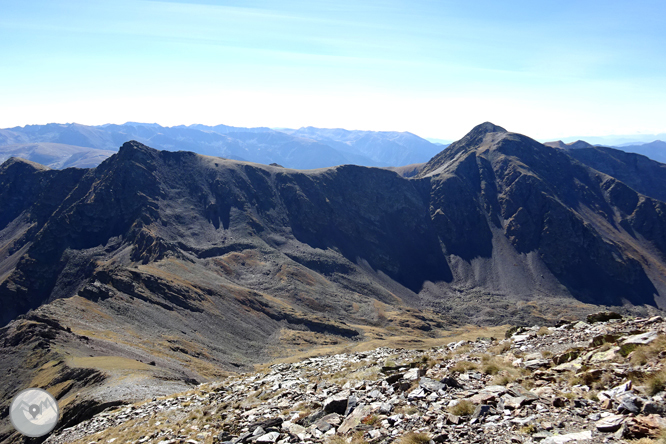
point(34, 412)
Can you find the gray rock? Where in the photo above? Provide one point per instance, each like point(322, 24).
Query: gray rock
point(431, 385)
point(536, 364)
point(610, 424)
point(642, 339)
point(481, 411)
point(269, 437)
point(337, 403)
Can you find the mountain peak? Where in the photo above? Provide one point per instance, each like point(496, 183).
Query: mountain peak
point(23, 162)
point(578, 144)
point(485, 128)
point(133, 145)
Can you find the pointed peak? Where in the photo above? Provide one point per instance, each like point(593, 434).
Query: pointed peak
point(487, 127)
point(133, 145)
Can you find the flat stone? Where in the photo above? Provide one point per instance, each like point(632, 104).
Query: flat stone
point(497, 390)
point(269, 437)
point(413, 374)
point(605, 356)
point(569, 366)
point(418, 393)
point(520, 338)
point(513, 402)
point(642, 339)
point(561, 439)
point(354, 418)
point(610, 423)
point(536, 363)
point(431, 385)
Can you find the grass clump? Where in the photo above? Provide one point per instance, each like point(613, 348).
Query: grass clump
point(463, 408)
point(463, 366)
point(500, 348)
point(529, 429)
point(414, 438)
point(370, 419)
point(491, 368)
point(543, 331)
point(655, 383)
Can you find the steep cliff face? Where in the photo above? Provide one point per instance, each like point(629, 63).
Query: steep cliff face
point(585, 226)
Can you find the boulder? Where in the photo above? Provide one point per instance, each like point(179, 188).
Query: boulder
point(610, 423)
point(431, 385)
point(337, 403)
point(602, 316)
point(641, 339)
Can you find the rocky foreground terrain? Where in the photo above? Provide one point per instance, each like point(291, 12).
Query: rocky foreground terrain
point(589, 382)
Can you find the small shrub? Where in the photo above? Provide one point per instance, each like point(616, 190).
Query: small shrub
point(543, 331)
point(370, 419)
point(463, 408)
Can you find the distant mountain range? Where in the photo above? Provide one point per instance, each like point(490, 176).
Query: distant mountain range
point(64, 145)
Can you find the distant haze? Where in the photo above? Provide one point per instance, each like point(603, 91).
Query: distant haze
point(436, 69)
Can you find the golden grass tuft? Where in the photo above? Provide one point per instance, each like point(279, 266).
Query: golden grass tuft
point(463, 366)
point(414, 438)
point(463, 408)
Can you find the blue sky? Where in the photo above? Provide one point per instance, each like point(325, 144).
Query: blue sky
point(435, 68)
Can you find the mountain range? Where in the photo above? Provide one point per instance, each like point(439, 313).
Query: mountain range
point(63, 145)
point(158, 269)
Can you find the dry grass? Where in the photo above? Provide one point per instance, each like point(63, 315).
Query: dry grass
point(643, 354)
point(414, 438)
point(499, 349)
point(463, 408)
point(655, 383)
point(463, 366)
point(529, 429)
point(543, 331)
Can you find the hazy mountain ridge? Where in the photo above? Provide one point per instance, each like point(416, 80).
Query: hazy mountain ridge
point(303, 149)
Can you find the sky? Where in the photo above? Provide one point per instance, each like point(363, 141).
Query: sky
point(436, 68)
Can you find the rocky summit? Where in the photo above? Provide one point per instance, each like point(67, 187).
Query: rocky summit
point(159, 270)
point(578, 382)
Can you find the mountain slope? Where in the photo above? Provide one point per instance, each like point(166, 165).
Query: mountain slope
point(55, 155)
point(654, 150)
point(201, 265)
point(644, 175)
point(385, 148)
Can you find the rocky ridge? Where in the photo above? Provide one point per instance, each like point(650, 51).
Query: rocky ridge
point(594, 382)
